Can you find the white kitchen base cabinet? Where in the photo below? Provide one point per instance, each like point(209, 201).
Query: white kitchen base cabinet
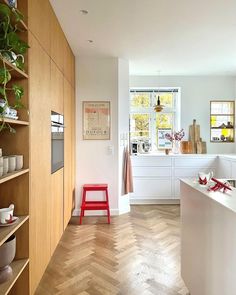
point(156, 177)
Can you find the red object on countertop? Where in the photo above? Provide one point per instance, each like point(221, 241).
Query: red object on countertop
point(219, 185)
point(95, 205)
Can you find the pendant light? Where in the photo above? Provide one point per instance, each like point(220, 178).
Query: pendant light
point(158, 107)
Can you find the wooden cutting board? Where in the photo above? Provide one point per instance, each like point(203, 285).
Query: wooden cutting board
point(194, 132)
point(201, 147)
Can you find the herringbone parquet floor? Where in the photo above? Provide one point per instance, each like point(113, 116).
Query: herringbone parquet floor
point(138, 254)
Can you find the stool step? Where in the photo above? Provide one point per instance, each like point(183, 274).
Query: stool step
point(95, 205)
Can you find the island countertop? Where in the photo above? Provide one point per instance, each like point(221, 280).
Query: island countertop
point(227, 199)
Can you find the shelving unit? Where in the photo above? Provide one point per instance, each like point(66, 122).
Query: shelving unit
point(14, 122)
point(15, 72)
point(18, 267)
point(222, 121)
point(12, 175)
point(23, 25)
point(6, 232)
point(14, 187)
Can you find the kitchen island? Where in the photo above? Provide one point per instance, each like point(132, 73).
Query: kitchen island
point(208, 239)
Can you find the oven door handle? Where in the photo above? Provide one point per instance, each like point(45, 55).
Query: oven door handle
point(58, 125)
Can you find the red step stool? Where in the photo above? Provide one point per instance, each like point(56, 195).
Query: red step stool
point(94, 205)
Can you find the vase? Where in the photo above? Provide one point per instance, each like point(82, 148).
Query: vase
point(176, 147)
point(7, 254)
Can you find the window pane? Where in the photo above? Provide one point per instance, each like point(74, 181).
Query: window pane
point(141, 99)
point(167, 99)
point(139, 125)
point(164, 120)
point(222, 121)
point(222, 107)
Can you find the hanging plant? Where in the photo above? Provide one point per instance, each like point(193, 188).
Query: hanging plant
point(12, 48)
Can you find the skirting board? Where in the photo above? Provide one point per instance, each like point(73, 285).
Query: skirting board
point(154, 201)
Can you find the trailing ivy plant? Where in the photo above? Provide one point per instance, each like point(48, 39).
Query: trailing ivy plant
point(12, 49)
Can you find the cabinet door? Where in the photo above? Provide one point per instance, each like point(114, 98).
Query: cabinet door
point(68, 167)
point(40, 13)
point(56, 208)
point(224, 169)
point(40, 161)
point(56, 89)
point(57, 45)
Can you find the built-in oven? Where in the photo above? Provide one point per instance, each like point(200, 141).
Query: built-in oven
point(57, 141)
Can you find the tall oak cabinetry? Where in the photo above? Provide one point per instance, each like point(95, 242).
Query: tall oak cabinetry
point(51, 87)
point(43, 200)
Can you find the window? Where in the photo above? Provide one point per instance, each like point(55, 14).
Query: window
point(144, 121)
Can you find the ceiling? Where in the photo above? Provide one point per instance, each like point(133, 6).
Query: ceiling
point(166, 37)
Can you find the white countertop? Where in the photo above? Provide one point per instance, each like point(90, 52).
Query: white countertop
point(155, 154)
point(227, 199)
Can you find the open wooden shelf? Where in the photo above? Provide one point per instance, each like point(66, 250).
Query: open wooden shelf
point(14, 122)
point(15, 72)
point(12, 175)
point(17, 268)
point(7, 231)
point(228, 128)
point(22, 24)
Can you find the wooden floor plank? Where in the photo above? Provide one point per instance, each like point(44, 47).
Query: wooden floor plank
point(138, 253)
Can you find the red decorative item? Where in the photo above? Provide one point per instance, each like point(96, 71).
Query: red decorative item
point(95, 205)
point(218, 186)
point(202, 181)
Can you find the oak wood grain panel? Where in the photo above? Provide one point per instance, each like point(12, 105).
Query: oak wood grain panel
point(56, 86)
point(39, 18)
point(40, 138)
point(67, 69)
point(56, 208)
point(68, 153)
point(57, 46)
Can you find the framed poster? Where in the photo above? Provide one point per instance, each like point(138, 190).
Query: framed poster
point(162, 142)
point(96, 120)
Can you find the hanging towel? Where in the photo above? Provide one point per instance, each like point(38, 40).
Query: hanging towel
point(128, 176)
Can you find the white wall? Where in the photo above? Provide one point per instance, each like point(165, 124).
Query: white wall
point(102, 79)
point(196, 93)
point(123, 122)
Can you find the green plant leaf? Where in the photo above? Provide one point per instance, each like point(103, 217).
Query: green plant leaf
point(2, 91)
point(1, 111)
point(19, 63)
point(18, 91)
point(5, 10)
point(5, 76)
point(17, 14)
point(17, 45)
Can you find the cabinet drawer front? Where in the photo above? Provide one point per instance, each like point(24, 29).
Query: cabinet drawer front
point(150, 161)
point(152, 187)
point(151, 171)
point(195, 162)
point(192, 172)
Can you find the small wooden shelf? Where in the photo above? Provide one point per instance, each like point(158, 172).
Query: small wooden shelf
point(17, 268)
point(22, 24)
point(228, 128)
point(12, 175)
point(15, 72)
point(14, 122)
point(7, 231)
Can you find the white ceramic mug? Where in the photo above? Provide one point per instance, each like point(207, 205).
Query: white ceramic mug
point(1, 171)
point(1, 161)
point(6, 214)
point(19, 162)
point(205, 177)
point(5, 165)
point(12, 163)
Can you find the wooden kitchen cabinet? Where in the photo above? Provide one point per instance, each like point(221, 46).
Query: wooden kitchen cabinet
point(40, 149)
point(56, 208)
point(56, 85)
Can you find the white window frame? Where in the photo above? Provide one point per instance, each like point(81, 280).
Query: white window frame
point(152, 114)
